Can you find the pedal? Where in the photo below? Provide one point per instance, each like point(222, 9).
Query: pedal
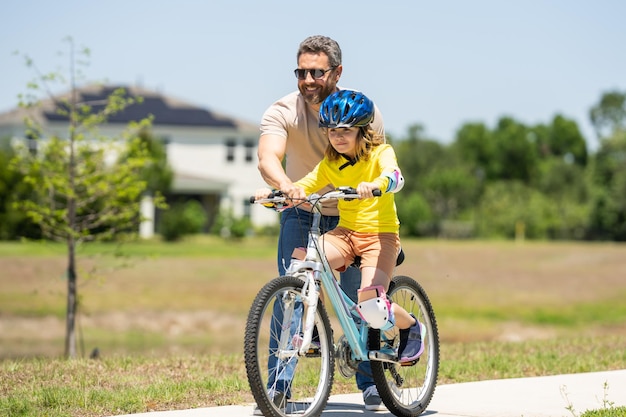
point(410, 363)
point(313, 352)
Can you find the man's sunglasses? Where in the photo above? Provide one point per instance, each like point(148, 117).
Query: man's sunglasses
point(315, 73)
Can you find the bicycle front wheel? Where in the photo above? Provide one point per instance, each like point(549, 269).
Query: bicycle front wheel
point(281, 381)
point(407, 390)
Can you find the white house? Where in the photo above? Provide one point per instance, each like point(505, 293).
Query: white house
point(214, 157)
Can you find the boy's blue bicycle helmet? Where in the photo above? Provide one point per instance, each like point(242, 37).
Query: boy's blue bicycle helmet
point(346, 108)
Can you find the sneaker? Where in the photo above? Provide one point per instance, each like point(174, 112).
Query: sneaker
point(412, 342)
point(278, 398)
point(372, 400)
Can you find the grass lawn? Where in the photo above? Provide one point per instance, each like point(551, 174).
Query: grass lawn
point(168, 319)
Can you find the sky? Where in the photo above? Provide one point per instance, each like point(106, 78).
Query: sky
point(439, 64)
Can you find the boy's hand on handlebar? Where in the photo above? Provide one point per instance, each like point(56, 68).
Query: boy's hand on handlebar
point(366, 189)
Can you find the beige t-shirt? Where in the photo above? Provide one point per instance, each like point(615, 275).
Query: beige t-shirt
point(292, 119)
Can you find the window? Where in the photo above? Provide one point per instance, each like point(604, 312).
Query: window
point(249, 150)
point(31, 141)
point(247, 208)
point(230, 150)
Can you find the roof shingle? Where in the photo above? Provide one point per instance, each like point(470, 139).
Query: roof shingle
point(164, 110)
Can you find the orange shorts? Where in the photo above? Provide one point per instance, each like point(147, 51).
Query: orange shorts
point(379, 250)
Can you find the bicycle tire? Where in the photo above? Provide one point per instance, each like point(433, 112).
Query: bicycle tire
point(406, 391)
point(313, 373)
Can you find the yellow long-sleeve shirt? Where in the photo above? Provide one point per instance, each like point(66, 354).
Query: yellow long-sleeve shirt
point(370, 215)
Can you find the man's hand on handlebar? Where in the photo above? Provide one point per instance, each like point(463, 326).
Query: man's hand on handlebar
point(290, 191)
point(261, 193)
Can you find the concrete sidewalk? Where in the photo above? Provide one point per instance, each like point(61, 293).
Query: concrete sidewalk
point(547, 396)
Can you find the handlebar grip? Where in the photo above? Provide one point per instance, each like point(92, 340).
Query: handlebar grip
point(351, 190)
point(275, 193)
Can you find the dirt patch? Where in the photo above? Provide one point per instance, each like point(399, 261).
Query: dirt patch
point(207, 299)
point(169, 323)
point(529, 273)
point(117, 332)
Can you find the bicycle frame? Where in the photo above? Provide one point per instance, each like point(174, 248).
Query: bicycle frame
point(315, 270)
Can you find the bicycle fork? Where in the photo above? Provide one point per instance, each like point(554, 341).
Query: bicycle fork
point(300, 340)
point(310, 297)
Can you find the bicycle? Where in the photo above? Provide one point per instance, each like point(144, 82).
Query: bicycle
point(304, 337)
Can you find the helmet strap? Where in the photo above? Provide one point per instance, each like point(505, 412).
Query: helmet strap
point(350, 162)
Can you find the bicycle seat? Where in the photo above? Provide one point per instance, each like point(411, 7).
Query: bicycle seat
point(357, 259)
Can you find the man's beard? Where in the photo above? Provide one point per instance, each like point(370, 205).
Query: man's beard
point(317, 97)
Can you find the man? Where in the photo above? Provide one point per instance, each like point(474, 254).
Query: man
point(289, 130)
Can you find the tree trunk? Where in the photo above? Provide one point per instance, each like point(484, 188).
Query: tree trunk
point(72, 303)
point(72, 300)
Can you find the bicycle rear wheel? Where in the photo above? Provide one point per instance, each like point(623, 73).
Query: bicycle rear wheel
point(407, 390)
point(282, 382)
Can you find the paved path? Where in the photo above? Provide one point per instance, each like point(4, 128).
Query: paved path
point(547, 396)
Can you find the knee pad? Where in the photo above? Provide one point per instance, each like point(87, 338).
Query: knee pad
point(377, 311)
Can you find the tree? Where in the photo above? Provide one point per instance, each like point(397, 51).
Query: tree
point(415, 214)
point(608, 218)
point(441, 182)
point(407, 154)
point(79, 194)
point(418, 156)
point(609, 175)
point(609, 115)
point(566, 141)
point(158, 174)
point(13, 222)
point(475, 145)
point(515, 152)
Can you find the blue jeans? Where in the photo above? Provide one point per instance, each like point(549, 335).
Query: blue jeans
point(294, 229)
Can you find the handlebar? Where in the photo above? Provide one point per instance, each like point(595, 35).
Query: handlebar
point(345, 193)
point(275, 196)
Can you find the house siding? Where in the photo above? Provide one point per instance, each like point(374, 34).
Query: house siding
point(196, 143)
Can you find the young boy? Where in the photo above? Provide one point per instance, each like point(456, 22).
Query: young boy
point(368, 227)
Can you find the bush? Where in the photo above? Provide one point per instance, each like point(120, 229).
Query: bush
point(606, 412)
point(508, 206)
point(229, 226)
point(182, 219)
point(414, 213)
